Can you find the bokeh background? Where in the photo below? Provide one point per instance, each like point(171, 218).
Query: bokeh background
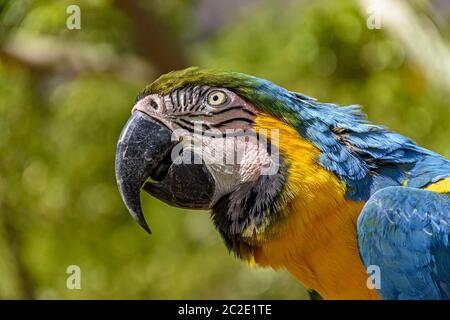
point(65, 95)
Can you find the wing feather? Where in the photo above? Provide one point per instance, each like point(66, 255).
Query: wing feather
point(406, 232)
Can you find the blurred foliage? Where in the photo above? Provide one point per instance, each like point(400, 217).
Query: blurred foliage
point(59, 204)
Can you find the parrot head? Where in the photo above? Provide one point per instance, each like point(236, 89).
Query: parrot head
point(220, 141)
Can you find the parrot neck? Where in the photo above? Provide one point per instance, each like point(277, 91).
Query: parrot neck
point(317, 244)
point(314, 234)
point(316, 238)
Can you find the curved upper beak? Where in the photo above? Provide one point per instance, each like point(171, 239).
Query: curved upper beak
point(143, 143)
point(145, 150)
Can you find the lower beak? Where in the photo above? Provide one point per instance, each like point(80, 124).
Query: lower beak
point(143, 143)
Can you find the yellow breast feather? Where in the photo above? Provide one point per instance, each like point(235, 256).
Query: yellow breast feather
point(317, 241)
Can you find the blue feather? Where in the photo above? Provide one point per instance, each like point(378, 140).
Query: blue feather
point(405, 232)
point(357, 151)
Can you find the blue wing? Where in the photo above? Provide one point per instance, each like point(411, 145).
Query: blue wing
point(406, 233)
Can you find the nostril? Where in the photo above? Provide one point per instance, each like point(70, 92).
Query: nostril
point(153, 104)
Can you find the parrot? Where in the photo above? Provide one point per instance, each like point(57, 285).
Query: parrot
point(350, 209)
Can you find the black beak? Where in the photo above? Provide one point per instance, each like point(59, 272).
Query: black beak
point(144, 150)
point(143, 143)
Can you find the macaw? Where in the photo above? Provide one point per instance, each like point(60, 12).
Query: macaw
point(330, 197)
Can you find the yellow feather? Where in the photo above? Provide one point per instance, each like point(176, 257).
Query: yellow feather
point(442, 186)
point(316, 241)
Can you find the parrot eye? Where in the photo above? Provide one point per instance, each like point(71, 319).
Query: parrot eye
point(216, 98)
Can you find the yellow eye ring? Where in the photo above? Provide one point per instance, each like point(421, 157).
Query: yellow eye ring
point(216, 98)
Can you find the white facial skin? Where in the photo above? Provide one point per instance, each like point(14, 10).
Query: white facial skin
point(215, 125)
point(230, 160)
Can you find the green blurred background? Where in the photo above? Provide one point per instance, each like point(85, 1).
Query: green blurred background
point(65, 95)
